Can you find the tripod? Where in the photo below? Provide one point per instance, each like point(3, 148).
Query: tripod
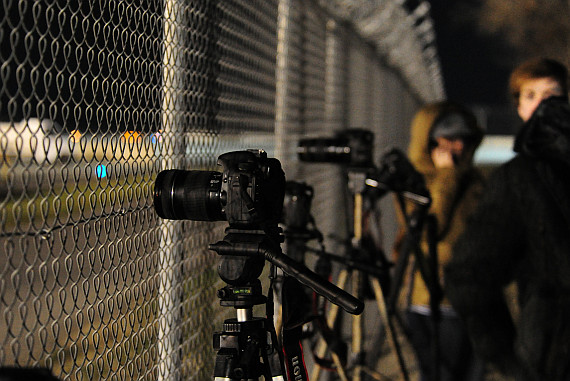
point(356, 186)
point(297, 240)
point(247, 347)
point(416, 222)
point(395, 175)
point(398, 175)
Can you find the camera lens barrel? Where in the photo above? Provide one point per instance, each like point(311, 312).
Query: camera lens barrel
point(351, 147)
point(324, 150)
point(189, 195)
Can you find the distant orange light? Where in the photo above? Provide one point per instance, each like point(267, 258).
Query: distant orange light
point(75, 136)
point(131, 136)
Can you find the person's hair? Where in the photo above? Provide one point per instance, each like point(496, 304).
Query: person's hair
point(536, 68)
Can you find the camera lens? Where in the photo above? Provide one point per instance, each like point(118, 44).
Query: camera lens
point(323, 150)
point(189, 195)
point(352, 147)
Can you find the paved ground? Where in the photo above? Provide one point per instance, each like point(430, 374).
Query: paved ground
point(388, 367)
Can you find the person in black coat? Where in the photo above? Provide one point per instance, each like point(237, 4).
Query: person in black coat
point(521, 232)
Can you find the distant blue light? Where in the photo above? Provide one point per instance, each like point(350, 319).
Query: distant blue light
point(101, 171)
point(156, 138)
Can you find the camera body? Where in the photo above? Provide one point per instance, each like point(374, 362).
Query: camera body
point(352, 147)
point(248, 193)
point(297, 205)
point(397, 174)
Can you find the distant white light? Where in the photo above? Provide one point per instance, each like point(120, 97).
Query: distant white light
point(495, 149)
point(372, 183)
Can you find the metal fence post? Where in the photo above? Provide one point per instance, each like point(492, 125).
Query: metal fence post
point(168, 336)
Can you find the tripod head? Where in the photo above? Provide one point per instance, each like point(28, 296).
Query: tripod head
point(258, 247)
point(397, 174)
point(245, 338)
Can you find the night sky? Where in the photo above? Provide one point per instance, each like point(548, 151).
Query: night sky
point(475, 67)
point(469, 60)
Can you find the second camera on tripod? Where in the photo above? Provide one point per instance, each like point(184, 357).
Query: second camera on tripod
point(352, 147)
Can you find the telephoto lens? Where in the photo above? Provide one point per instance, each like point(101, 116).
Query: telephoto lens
point(189, 195)
point(324, 150)
point(352, 147)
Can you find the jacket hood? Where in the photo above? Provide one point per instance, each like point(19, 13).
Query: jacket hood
point(547, 133)
point(422, 124)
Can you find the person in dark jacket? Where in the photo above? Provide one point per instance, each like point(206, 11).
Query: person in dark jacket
point(521, 232)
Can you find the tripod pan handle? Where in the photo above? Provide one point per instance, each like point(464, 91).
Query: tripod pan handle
point(317, 283)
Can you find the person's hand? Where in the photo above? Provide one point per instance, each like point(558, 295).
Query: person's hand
point(447, 152)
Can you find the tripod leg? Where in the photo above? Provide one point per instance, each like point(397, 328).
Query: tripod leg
point(331, 319)
point(339, 368)
point(394, 345)
point(357, 322)
point(278, 322)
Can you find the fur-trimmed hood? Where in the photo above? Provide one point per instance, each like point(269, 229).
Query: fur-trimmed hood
point(419, 148)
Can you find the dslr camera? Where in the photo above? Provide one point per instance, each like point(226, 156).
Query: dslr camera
point(397, 174)
point(248, 193)
point(352, 147)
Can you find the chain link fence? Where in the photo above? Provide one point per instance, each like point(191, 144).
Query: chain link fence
point(97, 97)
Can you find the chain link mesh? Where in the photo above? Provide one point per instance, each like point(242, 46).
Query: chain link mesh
point(96, 98)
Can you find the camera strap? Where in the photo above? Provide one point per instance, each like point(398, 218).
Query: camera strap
point(293, 331)
point(293, 351)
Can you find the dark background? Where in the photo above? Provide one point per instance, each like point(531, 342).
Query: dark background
point(481, 41)
point(475, 66)
point(472, 72)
